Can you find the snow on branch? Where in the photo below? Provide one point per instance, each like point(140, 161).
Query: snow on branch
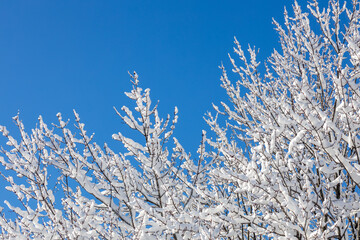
point(281, 159)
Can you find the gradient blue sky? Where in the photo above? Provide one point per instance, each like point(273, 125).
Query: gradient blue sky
point(56, 56)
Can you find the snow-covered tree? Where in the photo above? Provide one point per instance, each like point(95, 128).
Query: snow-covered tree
point(287, 160)
point(282, 160)
point(143, 193)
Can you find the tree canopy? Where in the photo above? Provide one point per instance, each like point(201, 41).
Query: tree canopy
point(281, 159)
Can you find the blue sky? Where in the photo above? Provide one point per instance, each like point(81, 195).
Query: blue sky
point(56, 56)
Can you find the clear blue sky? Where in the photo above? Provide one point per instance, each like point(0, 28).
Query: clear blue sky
point(56, 56)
